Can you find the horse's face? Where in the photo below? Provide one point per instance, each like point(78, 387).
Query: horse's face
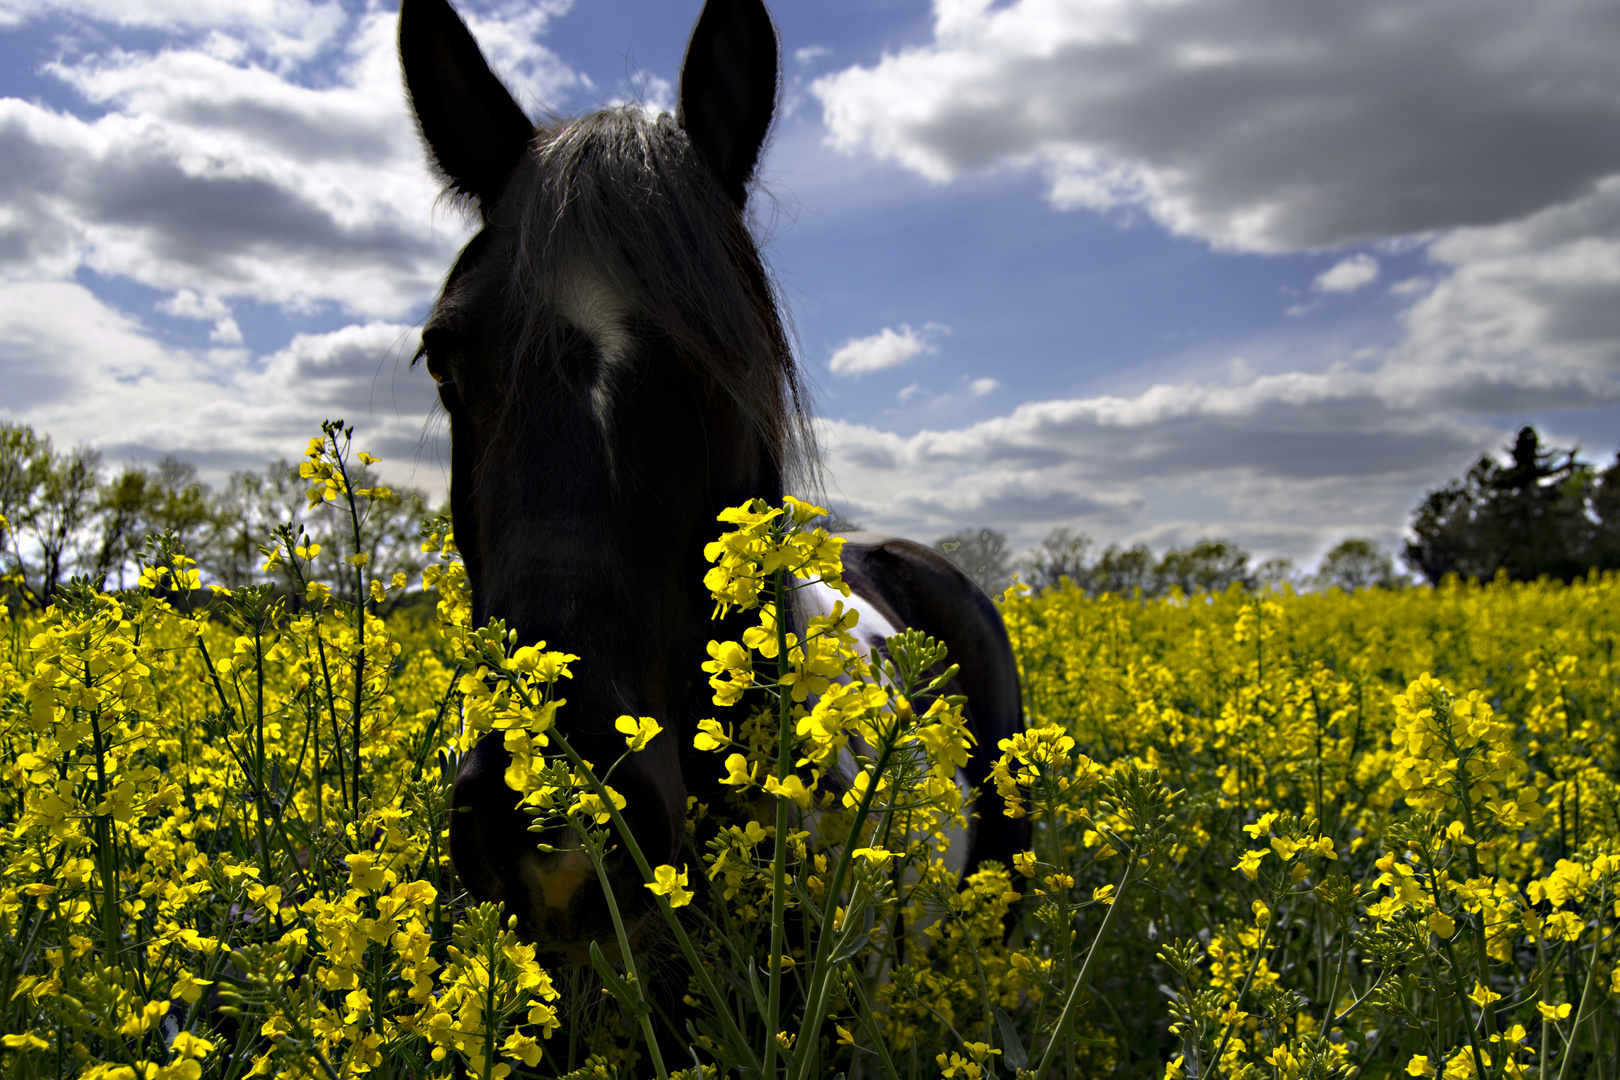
point(608, 352)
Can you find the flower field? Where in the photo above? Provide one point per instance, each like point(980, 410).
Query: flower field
point(1276, 836)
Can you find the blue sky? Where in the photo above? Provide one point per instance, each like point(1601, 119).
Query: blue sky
point(1152, 270)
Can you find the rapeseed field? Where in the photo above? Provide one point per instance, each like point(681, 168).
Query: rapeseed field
point(1276, 836)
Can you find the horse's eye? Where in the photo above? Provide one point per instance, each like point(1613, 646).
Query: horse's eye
point(432, 354)
point(434, 369)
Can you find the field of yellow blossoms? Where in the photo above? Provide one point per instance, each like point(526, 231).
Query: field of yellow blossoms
point(1276, 836)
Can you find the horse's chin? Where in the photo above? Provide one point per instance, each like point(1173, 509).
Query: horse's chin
point(561, 910)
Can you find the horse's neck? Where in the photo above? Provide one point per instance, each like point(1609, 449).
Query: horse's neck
point(871, 633)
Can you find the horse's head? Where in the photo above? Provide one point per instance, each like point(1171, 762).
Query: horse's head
point(615, 371)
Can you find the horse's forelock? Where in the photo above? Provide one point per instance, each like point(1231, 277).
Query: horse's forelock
point(618, 223)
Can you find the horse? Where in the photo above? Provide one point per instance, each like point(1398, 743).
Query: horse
point(611, 356)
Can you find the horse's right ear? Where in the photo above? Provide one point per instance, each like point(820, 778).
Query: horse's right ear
point(728, 88)
point(474, 131)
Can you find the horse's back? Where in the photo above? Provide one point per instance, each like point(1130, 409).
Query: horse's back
point(915, 586)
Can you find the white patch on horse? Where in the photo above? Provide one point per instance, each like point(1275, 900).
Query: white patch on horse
point(872, 630)
point(601, 313)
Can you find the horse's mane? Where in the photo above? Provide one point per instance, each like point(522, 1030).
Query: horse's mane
point(629, 198)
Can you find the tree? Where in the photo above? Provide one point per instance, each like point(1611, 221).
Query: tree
point(1207, 566)
point(244, 517)
point(123, 505)
point(1274, 574)
point(1061, 555)
point(65, 504)
point(1122, 571)
point(1542, 513)
point(179, 505)
point(981, 555)
point(1356, 563)
point(25, 462)
point(47, 499)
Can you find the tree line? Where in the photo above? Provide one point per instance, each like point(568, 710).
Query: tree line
point(1207, 565)
point(68, 515)
point(1543, 513)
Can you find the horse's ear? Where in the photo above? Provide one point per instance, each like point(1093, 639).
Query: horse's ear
point(728, 88)
point(475, 132)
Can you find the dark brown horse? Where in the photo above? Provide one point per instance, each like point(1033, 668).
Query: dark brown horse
point(609, 350)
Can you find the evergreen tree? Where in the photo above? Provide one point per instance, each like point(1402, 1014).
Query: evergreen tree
point(1542, 513)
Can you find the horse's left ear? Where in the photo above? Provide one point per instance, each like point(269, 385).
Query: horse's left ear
point(728, 89)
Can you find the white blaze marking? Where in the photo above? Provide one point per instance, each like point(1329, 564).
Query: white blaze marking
point(601, 313)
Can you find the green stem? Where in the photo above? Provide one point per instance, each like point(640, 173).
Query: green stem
point(1061, 1025)
point(1586, 992)
point(643, 1015)
point(821, 976)
point(360, 615)
point(105, 854)
point(784, 763)
point(738, 1041)
point(1333, 995)
point(1462, 998)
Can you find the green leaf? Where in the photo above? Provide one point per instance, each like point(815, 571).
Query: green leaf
point(1012, 1048)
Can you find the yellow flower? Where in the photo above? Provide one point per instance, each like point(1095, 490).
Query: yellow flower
point(1285, 847)
point(363, 875)
point(874, 855)
point(1261, 826)
point(671, 883)
point(790, 787)
point(1441, 925)
point(1419, 1066)
point(738, 772)
point(190, 1046)
point(1482, 995)
point(1024, 863)
point(1249, 863)
point(591, 804)
point(638, 733)
point(1553, 1012)
point(711, 736)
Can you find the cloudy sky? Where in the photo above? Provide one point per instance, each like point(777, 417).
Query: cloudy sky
point(1152, 269)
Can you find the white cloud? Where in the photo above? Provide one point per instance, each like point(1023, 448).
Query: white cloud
point(1348, 275)
point(1538, 293)
point(1284, 463)
point(85, 372)
point(1260, 125)
point(885, 349)
point(287, 30)
point(809, 54)
point(212, 173)
point(981, 387)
